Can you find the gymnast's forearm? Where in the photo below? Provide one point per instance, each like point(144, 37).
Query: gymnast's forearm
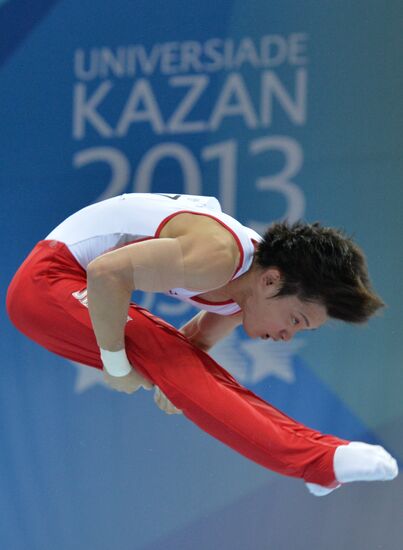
point(191, 330)
point(206, 329)
point(108, 304)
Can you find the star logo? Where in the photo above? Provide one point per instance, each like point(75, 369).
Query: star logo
point(250, 361)
point(87, 377)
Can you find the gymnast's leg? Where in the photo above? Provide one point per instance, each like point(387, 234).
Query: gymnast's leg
point(44, 302)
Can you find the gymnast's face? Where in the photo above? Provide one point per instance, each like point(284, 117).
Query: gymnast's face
point(279, 318)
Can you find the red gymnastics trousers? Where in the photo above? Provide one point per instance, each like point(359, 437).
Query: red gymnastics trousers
point(41, 305)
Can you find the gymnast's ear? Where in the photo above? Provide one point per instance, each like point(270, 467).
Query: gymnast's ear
point(270, 280)
point(270, 276)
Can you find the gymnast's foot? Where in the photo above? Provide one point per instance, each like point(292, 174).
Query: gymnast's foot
point(359, 461)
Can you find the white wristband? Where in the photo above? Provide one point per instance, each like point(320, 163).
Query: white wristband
point(116, 363)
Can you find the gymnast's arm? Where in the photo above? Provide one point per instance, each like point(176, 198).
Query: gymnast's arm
point(154, 265)
point(205, 329)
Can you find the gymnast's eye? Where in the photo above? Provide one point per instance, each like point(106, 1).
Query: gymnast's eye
point(294, 321)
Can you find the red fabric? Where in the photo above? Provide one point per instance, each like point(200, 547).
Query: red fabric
point(41, 305)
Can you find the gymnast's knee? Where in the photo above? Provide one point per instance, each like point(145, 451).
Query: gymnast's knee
point(14, 302)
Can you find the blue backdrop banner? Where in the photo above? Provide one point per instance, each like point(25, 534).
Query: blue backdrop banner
point(282, 110)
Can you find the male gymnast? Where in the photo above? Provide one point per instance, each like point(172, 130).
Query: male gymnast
point(72, 295)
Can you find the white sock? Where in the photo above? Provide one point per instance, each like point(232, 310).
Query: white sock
point(359, 461)
point(319, 490)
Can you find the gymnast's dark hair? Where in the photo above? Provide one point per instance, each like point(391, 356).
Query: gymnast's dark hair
point(323, 265)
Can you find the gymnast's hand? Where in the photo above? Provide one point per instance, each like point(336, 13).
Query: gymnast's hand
point(133, 382)
point(359, 461)
point(119, 373)
point(163, 402)
point(129, 383)
point(127, 379)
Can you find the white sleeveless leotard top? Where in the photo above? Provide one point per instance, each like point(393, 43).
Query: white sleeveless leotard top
point(134, 217)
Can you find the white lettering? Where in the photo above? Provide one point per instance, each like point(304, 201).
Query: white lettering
point(147, 63)
point(211, 52)
point(141, 93)
point(227, 154)
point(118, 165)
point(190, 56)
point(85, 110)
point(169, 57)
point(297, 46)
point(212, 55)
point(234, 86)
point(198, 84)
point(185, 158)
point(80, 71)
point(280, 182)
point(271, 86)
point(269, 57)
point(112, 63)
point(246, 52)
point(229, 47)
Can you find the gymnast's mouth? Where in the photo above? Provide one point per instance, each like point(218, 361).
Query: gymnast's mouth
point(268, 337)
